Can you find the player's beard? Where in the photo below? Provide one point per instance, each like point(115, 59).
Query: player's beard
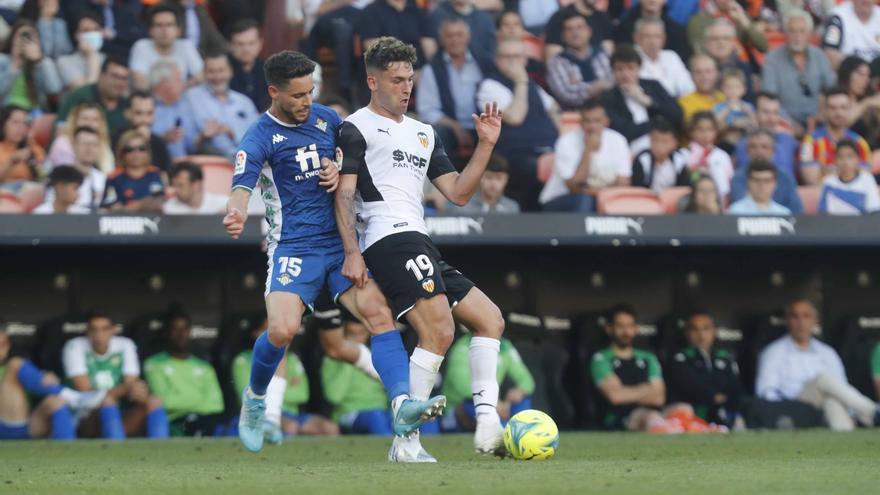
point(621, 343)
point(292, 117)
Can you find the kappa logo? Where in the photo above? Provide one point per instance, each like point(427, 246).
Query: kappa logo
point(277, 138)
point(613, 226)
point(761, 226)
point(321, 124)
point(428, 285)
point(423, 139)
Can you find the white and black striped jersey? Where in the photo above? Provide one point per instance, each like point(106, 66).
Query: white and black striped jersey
point(391, 160)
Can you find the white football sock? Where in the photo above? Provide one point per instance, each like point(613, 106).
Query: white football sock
point(396, 402)
point(275, 399)
point(69, 396)
point(365, 362)
point(424, 366)
point(483, 358)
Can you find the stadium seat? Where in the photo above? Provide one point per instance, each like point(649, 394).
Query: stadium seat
point(810, 198)
point(569, 121)
point(23, 337)
point(217, 172)
point(31, 195)
point(42, 128)
point(11, 203)
point(52, 336)
point(611, 193)
point(546, 162)
point(634, 205)
point(534, 47)
point(671, 197)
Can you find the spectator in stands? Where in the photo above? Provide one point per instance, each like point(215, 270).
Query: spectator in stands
point(65, 181)
point(850, 190)
point(601, 27)
point(490, 197)
point(509, 27)
point(109, 92)
point(340, 105)
point(136, 185)
point(287, 393)
point(761, 178)
point(799, 367)
point(174, 119)
point(797, 71)
point(27, 78)
point(334, 28)
point(704, 72)
point(52, 416)
point(199, 28)
point(121, 21)
point(720, 44)
point(704, 375)
point(245, 45)
point(513, 375)
point(529, 120)
point(446, 98)
point(663, 66)
point(190, 197)
point(855, 75)
point(222, 115)
point(186, 385)
point(86, 150)
point(535, 14)
point(676, 35)
point(703, 154)
point(581, 70)
point(633, 102)
point(817, 148)
point(164, 42)
point(101, 360)
point(748, 35)
point(760, 145)
point(53, 30)
point(83, 66)
point(402, 19)
point(704, 198)
point(767, 115)
point(20, 156)
point(358, 401)
point(852, 28)
point(663, 164)
point(481, 26)
point(86, 114)
point(140, 113)
point(735, 116)
point(587, 160)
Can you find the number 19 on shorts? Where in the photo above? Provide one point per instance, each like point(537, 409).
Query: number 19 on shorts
point(420, 266)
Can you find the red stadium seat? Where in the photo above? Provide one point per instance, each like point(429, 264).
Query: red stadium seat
point(217, 172)
point(671, 197)
point(546, 162)
point(41, 129)
point(634, 205)
point(569, 121)
point(810, 198)
point(612, 193)
point(10, 203)
point(534, 47)
point(31, 195)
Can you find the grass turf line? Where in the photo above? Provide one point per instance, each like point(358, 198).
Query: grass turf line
point(771, 462)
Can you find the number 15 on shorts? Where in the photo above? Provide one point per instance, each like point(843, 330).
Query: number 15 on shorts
point(289, 268)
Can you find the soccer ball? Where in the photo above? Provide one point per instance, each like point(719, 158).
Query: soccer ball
point(531, 435)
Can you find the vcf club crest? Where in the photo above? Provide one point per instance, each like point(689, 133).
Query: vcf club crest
point(423, 138)
point(428, 285)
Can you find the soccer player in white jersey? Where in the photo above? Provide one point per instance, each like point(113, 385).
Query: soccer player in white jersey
point(386, 157)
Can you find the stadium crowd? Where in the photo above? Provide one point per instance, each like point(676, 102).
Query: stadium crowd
point(698, 106)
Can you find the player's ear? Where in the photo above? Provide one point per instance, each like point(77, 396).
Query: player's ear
point(372, 81)
point(273, 92)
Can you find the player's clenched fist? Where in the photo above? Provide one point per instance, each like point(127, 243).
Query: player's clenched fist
point(329, 175)
point(355, 270)
point(234, 222)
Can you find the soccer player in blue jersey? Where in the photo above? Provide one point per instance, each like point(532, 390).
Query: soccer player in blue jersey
point(289, 152)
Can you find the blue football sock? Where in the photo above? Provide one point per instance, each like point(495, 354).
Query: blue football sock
point(430, 428)
point(266, 359)
point(373, 422)
point(157, 424)
point(31, 378)
point(111, 423)
point(62, 425)
point(524, 404)
point(391, 362)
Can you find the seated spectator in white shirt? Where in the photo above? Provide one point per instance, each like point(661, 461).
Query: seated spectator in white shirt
point(164, 41)
point(799, 367)
point(84, 65)
point(705, 156)
point(190, 197)
point(581, 70)
point(65, 181)
point(663, 164)
point(761, 179)
point(222, 115)
point(587, 160)
point(663, 66)
point(851, 191)
point(87, 149)
point(490, 196)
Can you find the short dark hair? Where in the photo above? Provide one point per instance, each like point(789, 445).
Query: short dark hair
point(215, 54)
point(847, 143)
point(95, 313)
point(286, 65)
point(847, 67)
point(243, 25)
point(617, 309)
point(766, 95)
point(835, 91)
point(139, 94)
point(176, 313)
point(571, 14)
point(756, 166)
point(592, 104)
point(84, 130)
point(387, 50)
point(663, 125)
point(693, 314)
point(162, 8)
point(497, 163)
point(454, 19)
point(65, 174)
point(194, 171)
point(625, 54)
point(113, 60)
point(504, 14)
point(697, 117)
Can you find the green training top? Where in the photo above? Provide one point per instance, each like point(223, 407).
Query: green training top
point(349, 389)
point(185, 386)
point(642, 367)
point(457, 383)
point(297, 392)
point(875, 362)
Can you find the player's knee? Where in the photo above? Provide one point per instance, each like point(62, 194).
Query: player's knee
point(108, 401)
point(331, 428)
point(445, 332)
point(282, 330)
point(153, 403)
point(54, 403)
point(492, 324)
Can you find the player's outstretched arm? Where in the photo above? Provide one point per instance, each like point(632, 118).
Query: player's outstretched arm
point(459, 188)
point(236, 212)
point(354, 267)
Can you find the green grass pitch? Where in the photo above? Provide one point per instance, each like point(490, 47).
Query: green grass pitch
point(800, 463)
